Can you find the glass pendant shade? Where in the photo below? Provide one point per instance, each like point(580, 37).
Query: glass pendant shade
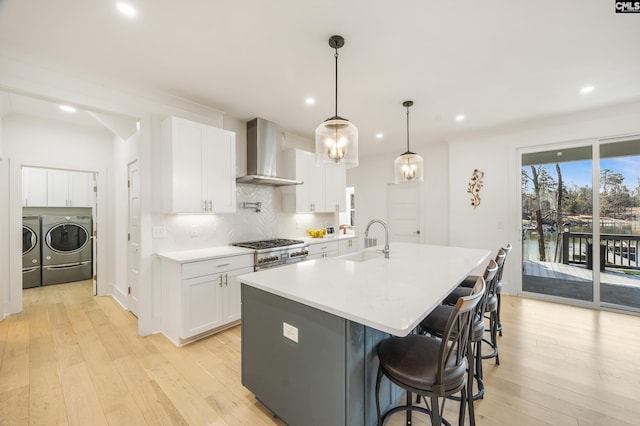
point(337, 142)
point(408, 168)
point(336, 137)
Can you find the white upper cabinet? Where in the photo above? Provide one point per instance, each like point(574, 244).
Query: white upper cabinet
point(34, 187)
point(323, 190)
point(199, 160)
point(56, 188)
point(69, 189)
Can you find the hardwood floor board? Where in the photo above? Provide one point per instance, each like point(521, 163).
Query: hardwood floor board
point(14, 406)
point(80, 397)
point(107, 381)
point(189, 367)
point(160, 408)
point(57, 313)
point(113, 342)
point(186, 399)
point(228, 377)
point(78, 317)
point(571, 405)
point(236, 412)
point(153, 404)
point(14, 366)
point(582, 394)
point(97, 317)
point(125, 411)
point(66, 346)
point(46, 398)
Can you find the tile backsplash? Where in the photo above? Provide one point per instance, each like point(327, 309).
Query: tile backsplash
point(183, 232)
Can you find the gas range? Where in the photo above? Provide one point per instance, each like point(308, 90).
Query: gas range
point(275, 252)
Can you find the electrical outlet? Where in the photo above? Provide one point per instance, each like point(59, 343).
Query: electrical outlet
point(194, 231)
point(290, 332)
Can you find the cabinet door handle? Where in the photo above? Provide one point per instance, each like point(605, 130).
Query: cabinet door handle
point(204, 205)
point(223, 265)
point(220, 280)
point(210, 205)
point(226, 280)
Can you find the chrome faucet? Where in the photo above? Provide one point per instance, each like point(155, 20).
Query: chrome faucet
point(386, 234)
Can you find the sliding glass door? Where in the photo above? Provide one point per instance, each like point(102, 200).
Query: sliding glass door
point(564, 255)
point(620, 224)
point(557, 223)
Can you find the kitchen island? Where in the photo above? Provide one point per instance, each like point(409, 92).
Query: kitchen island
point(309, 330)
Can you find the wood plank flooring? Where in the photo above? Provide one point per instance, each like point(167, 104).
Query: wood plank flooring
point(74, 359)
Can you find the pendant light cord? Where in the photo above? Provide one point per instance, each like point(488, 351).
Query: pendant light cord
point(407, 129)
point(336, 56)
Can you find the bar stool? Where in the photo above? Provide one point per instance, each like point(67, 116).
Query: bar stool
point(507, 250)
point(431, 367)
point(434, 325)
point(492, 310)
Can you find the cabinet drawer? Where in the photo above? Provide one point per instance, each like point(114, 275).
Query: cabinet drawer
point(222, 264)
point(323, 247)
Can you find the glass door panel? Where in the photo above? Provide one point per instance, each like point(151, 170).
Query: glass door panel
point(557, 223)
point(620, 224)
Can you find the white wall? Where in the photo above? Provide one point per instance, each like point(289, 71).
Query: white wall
point(373, 174)
point(497, 220)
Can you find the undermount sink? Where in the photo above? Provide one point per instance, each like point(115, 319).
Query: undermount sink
point(363, 256)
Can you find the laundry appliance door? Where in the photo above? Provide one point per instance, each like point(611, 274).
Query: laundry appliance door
point(66, 241)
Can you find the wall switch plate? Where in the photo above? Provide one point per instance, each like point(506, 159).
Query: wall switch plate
point(290, 332)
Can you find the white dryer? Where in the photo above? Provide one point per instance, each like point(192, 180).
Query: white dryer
point(31, 270)
point(67, 251)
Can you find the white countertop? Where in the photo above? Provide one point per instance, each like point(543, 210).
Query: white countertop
point(392, 295)
point(185, 256)
point(338, 237)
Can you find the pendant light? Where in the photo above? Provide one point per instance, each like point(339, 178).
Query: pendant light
point(336, 137)
point(408, 166)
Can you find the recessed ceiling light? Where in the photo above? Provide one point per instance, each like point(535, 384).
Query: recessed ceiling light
point(67, 108)
point(309, 101)
point(379, 136)
point(126, 9)
point(587, 89)
point(460, 117)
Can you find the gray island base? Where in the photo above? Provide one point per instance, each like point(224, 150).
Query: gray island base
point(310, 329)
point(327, 378)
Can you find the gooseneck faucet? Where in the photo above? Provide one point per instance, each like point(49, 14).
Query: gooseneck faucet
point(386, 234)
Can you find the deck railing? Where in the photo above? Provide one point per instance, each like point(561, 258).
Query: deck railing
point(616, 250)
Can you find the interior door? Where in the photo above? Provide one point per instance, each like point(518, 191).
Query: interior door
point(133, 246)
point(403, 203)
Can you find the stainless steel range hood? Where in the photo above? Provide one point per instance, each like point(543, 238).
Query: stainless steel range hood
point(262, 155)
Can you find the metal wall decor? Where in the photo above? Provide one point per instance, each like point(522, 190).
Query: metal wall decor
point(475, 184)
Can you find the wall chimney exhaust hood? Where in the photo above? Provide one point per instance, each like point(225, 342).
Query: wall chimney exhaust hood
point(262, 155)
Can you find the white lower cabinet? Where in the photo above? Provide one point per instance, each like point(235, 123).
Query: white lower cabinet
point(322, 249)
point(348, 245)
point(201, 297)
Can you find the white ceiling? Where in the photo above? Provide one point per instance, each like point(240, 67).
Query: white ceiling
point(498, 62)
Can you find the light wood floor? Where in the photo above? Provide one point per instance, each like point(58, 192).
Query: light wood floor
point(71, 358)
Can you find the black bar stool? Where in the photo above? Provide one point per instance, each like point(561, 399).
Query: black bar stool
point(431, 367)
point(434, 325)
